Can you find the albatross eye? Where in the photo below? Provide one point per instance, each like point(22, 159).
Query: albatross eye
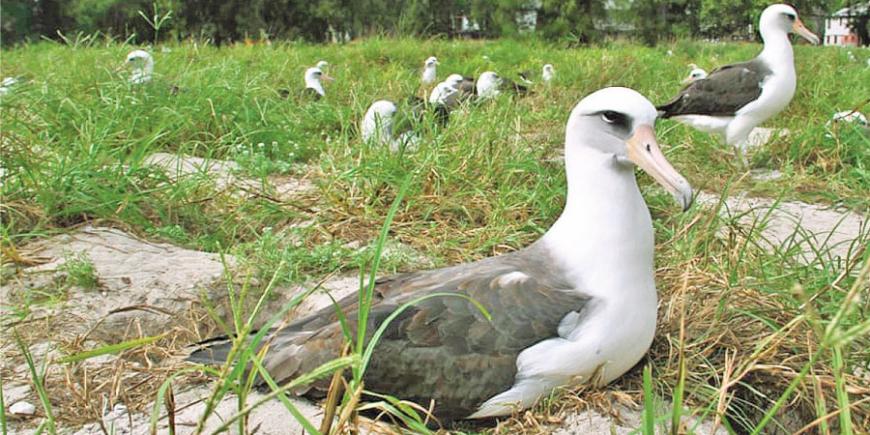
point(612, 117)
point(790, 16)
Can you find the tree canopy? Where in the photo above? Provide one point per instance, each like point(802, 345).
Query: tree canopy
point(577, 21)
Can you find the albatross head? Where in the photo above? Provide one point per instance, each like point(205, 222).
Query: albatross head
point(142, 64)
point(322, 65)
point(454, 79)
point(619, 123)
point(430, 62)
point(695, 74)
point(313, 76)
point(784, 18)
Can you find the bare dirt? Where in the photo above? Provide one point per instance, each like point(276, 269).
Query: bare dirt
point(808, 232)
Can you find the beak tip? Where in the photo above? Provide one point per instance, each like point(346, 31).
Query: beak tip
point(688, 199)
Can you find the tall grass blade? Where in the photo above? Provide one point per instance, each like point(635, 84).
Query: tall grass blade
point(648, 423)
point(39, 384)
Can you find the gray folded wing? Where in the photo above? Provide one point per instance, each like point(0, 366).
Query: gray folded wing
point(722, 93)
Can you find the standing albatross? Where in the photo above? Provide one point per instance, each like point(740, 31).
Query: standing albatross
point(430, 71)
point(734, 99)
point(578, 303)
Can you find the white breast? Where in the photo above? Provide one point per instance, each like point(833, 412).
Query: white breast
point(429, 75)
point(776, 92)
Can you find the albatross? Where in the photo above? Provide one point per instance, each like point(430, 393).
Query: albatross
point(143, 66)
point(736, 98)
point(313, 87)
point(490, 84)
point(548, 73)
point(577, 305)
point(377, 127)
point(430, 72)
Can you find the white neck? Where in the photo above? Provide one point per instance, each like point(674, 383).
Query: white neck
point(605, 227)
point(429, 73)
point(314, 84)
point(143, 74)
point(777, 48)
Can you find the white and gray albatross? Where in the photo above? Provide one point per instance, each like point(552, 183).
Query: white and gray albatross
point(734, 99)
point(578, 305)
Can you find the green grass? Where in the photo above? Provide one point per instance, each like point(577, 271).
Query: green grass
point(74, 137)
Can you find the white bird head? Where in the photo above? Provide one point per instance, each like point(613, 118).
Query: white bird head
point(487, 85)
point(695, 74)
point(548, 72)
point(454, 79)
point(444, 93)
point(619, 123)
point(322, 64)
point(430, 62)
point(142, 64)
point(377, 124)
point(784, 18)
point(313, 76)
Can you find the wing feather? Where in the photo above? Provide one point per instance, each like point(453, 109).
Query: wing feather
point(443, 348)
point(722, 93)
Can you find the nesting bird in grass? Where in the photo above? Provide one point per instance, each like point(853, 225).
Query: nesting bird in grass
point(378, 126)
point(445, 94)
point(143, 66)
point(577, 306)
point(313, 85)
point(695, 73)
point(490, 84)
point(452, 91)
point(548, 73)
point(465, 85)
point(430, 72)
point(736, 98)
point(487, 85)
point(7, 85)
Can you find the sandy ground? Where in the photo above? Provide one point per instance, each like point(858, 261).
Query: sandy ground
point(808, 232)
point(223, 174)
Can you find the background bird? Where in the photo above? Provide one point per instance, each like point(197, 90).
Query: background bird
point(736, 98)
point(430, 72)
point(548, 73)
point(142, 65)
point(313, 84)
point(695, 73)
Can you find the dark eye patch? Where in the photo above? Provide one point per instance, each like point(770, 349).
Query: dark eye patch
point(791, 17)
point(616, 119)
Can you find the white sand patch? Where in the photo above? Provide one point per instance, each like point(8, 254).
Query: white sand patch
point(806, 230)
point(225, 176)
point(271, 418)
point(143, 288)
